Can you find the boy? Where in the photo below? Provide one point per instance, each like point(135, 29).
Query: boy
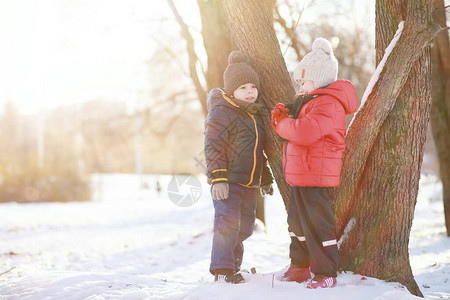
point(235, 162)
point(312, 159)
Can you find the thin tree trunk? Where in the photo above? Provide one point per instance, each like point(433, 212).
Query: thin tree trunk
point(251, 28)
point(440, 110)
point(193, 58)
point(216, 39)
point(260, 214)
point(379, 182)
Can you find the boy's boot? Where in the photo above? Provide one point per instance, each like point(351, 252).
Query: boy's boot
point(224, 275)
point(320, 281)
point(297, 274)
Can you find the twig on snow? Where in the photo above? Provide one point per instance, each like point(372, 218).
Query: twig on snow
point(7, 271)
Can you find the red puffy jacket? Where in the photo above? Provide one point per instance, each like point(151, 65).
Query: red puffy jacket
point(312, 154)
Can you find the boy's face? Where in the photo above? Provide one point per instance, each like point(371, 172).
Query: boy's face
point(306, 87)
point(246, 92)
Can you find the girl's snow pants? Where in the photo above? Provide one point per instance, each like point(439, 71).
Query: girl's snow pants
point(312, 230)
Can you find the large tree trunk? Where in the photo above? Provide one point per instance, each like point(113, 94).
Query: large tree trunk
point(440, 110)
point(379, 182)
point(216, 39)
point(251, 28)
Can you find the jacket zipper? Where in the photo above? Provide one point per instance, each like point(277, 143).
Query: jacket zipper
point(254, 150)
point(256, 132)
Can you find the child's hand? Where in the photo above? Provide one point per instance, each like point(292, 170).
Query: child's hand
point(267, 189)
point(280, 107)
point(279, 112)
point(220, 191)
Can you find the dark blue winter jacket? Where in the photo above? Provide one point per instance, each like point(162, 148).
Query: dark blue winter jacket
point(234, 138)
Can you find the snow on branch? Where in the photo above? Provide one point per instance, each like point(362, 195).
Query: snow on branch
point(380, 67)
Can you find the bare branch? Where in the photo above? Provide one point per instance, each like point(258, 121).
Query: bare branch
point(173, 55)
point(290, 31)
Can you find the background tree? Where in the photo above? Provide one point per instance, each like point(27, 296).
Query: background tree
point(192, 55)
point(289, 25)
point(217, 45)
point(216, 40)
point(440, 110)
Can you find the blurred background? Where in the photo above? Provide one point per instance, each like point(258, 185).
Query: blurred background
point(94, 87)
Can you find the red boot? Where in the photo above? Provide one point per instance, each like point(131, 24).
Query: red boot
point(320, 281)
point(297, 274)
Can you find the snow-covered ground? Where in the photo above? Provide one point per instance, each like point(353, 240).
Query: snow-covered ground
point(132, 243)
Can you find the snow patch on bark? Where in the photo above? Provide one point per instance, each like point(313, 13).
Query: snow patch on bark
point(347, 230)
point(380, 67)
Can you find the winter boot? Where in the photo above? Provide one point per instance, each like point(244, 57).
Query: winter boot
point(224, 275)
point(320, 281)
point(297, 274)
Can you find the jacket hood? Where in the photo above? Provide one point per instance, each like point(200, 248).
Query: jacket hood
point(342, 90)
point(215, 98)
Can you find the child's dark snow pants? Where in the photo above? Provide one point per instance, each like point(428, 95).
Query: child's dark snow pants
point(233, 223)
point(312, 229)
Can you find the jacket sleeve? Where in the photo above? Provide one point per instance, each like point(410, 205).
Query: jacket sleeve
point(216, 137)
point(314, 125)
point(266, 176)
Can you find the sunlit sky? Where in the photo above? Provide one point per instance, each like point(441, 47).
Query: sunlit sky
point(57, 52)
point(64, 51)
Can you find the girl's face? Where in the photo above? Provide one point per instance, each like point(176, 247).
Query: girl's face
point(246, 92)
point(306, 87)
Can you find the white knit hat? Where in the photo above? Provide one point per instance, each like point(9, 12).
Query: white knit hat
point(319, 66)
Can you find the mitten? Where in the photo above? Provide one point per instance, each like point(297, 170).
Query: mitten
point(220, 191)
point(279, 112)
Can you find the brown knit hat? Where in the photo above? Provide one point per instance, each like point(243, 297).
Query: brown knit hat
point(238, 73)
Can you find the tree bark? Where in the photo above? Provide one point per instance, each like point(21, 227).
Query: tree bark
point(440, 110)
point(251, 28)
point(216, 39)
point(381, 167)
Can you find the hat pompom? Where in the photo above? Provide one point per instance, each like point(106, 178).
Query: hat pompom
point(236, 57)
point(321, 44)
